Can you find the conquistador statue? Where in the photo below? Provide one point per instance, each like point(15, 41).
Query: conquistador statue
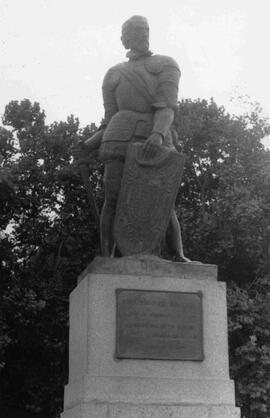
point(140, 97)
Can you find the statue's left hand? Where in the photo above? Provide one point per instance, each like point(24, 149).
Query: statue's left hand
point(151, 144)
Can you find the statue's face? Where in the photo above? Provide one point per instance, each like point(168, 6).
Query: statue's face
point(138, 36)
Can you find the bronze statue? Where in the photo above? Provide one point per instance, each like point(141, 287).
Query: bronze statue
point(140, 97)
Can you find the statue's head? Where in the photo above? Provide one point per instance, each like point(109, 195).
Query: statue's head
point(135, 34)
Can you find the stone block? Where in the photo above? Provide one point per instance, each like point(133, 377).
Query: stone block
point(83, 410)
point(144, 411)
point(150, 266)
point(128, 410)
point(224, 411)
point(100, 385)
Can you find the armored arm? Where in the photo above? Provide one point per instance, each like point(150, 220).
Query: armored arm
point(109, 85)
point(94, 141)
point(163, 118)
point(166, 95)
point(110, 107)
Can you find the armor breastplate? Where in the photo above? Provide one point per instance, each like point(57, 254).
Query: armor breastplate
point(127, 124)
point(131, 93)
point(125, 84)
point(124, 126)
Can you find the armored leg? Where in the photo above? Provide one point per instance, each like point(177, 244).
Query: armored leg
point(174, 239)
point(112, 183)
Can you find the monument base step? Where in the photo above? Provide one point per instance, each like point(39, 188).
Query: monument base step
point(164, 391)
point(123, 410)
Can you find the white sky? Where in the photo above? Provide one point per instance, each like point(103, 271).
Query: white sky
point(56, 52)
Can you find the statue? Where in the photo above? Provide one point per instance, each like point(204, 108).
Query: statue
point(140, 96)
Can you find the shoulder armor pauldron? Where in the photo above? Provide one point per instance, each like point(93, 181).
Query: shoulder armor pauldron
point(112, 76)
point(156, 63)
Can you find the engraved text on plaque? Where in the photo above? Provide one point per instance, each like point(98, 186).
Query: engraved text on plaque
point(159, 325)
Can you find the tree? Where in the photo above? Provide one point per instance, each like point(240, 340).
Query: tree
point(225, 208)
point(224, 199)
point(223, 205)
point(52, 240)
point(249, 327)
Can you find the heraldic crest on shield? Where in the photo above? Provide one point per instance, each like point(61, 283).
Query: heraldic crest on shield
point(148, 191)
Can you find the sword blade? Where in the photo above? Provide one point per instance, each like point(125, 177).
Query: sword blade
point(89, 193)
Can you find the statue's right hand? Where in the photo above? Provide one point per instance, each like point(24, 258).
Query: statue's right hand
point(83, 156)
point(80, 153)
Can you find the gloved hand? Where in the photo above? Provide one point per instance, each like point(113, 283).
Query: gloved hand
point(80, 152)
point(152, 144)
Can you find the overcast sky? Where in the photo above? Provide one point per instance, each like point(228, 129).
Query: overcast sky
point(56, 52)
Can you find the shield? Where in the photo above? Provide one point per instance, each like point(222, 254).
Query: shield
point(146, 199)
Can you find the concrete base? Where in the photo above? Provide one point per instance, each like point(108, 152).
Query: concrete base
point(101, 386)
point(125, 410)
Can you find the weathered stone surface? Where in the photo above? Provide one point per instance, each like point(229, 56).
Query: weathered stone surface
point(145, 411)
point(126, 410)
point(177, 411)
point(149, 390)
point(224, 412)
point(150, 266)
point(87, 410)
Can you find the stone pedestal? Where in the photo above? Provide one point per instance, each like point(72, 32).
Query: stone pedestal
point(102, 386)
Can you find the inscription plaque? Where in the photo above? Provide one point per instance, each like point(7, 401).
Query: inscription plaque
point(159, 325)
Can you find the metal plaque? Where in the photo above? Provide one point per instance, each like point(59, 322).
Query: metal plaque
point(159, 325)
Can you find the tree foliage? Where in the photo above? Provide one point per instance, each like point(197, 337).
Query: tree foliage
point(224, 209)
point(249, 326)
point(51, 238)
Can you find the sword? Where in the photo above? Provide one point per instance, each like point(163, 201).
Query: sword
point(89, 192)
point(84, 171)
